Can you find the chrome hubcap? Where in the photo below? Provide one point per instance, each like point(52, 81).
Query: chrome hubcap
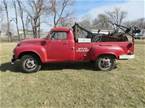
point(30, 63)
point(105, 63)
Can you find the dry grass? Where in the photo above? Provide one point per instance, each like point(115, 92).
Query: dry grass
point(73, 85)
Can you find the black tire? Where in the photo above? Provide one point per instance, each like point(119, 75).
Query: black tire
point(30, 63)
point(92, 62)
point(105, 63)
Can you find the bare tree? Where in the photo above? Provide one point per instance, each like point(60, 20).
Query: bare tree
point(138, 23)
point(8, 21)
point(1, 11)
point(16, 19)
point(27, 22)
point(1, 18)
point(21, 10)
point(101, 22)
point(37, 7)
point(39, 26)
point(68, 22)
point(116, 16)
point(58, 8)
point(86, 23)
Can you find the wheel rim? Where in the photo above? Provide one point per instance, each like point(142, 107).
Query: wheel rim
point(30, 64)
point(105, 63)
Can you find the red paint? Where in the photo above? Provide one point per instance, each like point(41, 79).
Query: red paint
point(68, 50)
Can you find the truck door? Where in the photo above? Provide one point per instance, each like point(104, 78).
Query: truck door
point(60, 47)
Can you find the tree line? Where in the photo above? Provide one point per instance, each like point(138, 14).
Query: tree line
point(32, 13)
point(118, 16)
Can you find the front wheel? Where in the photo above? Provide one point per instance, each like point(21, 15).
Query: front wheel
point(105, 63)
point(30, 63)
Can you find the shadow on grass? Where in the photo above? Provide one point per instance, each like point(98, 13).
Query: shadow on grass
point(9, 67)
point(60, 66)
point(50, 66)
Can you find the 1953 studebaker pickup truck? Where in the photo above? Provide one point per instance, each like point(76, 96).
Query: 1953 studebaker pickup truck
point(71, 45)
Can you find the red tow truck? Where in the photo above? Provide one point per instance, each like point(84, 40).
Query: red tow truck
point(72, 45)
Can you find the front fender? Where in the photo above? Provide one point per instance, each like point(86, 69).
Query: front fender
point(37, 49)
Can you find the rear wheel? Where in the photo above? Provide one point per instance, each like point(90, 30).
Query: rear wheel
point(30, 63)
point(105, 63)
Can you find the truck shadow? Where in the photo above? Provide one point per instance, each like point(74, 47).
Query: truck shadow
point(9, 67)
point(75, 66)
point(50, 66)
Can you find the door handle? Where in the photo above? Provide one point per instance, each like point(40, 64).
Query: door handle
point(64, 43)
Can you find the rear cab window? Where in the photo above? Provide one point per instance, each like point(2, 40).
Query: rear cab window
point(58, 35)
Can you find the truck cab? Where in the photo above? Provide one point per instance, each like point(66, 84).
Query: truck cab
point(67, 45)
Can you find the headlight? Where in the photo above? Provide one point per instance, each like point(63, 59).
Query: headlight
point(14, 50)
point(18, 44)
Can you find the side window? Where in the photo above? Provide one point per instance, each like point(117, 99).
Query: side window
point(58, 35)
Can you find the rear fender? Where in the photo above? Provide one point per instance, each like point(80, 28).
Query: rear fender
point(99, 51)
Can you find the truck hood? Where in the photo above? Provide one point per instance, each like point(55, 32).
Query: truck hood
point(32, 41)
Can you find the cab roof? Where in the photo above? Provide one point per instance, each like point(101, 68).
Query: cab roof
point(65, 29)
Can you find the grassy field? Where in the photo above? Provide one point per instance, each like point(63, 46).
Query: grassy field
point(73, 85)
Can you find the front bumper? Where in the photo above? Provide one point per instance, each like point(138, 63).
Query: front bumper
point(126, 57)
point(13, 59)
